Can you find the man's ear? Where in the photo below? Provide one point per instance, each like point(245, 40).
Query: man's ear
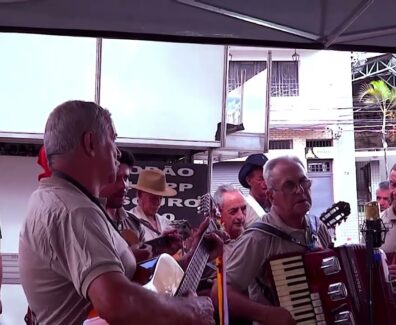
point(248, 180)
point(270, 195)
point(89, 144)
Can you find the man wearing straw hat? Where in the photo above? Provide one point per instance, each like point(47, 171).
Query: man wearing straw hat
point(151, 188)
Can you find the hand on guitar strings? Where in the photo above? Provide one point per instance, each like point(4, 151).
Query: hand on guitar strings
point(173, 242)
point(213, 241)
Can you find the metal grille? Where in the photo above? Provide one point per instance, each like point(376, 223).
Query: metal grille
point(284, 81)
point(241, 71)
point(280, 144)
point(319, 166)
point(312, 143)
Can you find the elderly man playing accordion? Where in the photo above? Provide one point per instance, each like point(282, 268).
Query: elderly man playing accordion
point(247, 284)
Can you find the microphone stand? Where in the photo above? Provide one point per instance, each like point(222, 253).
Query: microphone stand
point(369, 237)
point(372, 230)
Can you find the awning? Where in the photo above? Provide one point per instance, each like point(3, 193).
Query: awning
point(361, 25)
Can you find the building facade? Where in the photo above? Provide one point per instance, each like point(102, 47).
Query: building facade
point(311, 116)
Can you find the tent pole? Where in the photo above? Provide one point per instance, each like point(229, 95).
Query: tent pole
point(210, 169)
point(355, 14)
point(268, 101)
point(98, 70)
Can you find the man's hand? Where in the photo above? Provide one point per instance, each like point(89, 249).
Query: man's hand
point(142, 253)
point(214, 245)
point(278, 315)
point(214, 241)
point(174, 242)
point(201, 310)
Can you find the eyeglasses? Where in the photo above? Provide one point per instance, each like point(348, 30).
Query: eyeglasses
point(290, 187)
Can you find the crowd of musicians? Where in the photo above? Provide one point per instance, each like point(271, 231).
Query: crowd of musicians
point(79, 248)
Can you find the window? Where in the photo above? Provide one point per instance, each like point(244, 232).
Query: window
point(247, 83)
point(241, 71)
point(280, 144)
point(311, 143)
point(284, 79)
point(318, 166)
point(284, 76)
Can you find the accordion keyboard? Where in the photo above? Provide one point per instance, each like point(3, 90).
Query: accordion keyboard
point(293, 291)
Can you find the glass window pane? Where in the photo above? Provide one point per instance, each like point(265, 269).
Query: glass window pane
point(163, 90)
point(38, 73)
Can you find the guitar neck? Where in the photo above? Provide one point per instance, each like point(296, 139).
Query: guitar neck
point(195, 268)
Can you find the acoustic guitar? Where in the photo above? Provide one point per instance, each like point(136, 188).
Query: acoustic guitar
point(163, 274)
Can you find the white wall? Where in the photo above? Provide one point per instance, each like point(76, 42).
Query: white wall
point(324, 85)
point(18, 178)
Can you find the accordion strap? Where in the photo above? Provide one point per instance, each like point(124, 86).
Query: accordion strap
point(271, 230)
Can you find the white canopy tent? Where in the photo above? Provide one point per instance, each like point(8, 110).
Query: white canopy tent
point(361, 25)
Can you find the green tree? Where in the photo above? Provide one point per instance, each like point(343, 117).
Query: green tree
point(378, 93)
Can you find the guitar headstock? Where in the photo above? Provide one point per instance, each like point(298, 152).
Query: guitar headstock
point(336, 214)
point(207, 207)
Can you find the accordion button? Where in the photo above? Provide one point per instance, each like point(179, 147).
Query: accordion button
point(337, 291)
point(330, 265)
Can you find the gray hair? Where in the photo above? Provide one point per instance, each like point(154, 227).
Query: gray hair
point(69, 121)
point(218, 196)
point(272, 163)
point(383, 186)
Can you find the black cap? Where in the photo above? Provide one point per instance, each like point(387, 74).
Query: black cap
point(253, 161)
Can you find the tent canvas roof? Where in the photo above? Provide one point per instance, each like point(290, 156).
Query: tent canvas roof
point(361, 25)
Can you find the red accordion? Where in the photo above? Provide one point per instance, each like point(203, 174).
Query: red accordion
point(331, 287)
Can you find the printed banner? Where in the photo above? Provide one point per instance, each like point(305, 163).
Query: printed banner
point(190, 182)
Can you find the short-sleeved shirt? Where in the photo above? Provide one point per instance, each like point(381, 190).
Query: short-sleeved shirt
point(389, 219)
point(254, 211)
point(245, 265)
point(162, 221)
point(65, 243)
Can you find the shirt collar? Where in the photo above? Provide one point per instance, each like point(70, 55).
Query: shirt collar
point(279, 223)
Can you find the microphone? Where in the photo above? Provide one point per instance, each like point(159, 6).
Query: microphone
point(373, 229)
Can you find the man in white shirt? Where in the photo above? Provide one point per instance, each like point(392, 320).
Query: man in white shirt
point(151, 188)
point(251, 177)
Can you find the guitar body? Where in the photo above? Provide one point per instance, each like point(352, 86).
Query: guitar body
point(160, 274)
point(163, 275)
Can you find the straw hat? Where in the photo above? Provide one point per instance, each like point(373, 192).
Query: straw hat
point(154, 182)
